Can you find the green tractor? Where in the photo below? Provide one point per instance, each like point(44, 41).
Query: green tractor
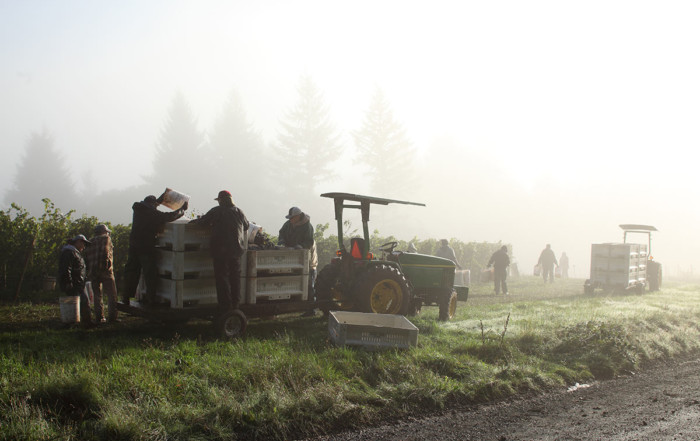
point(396, 283)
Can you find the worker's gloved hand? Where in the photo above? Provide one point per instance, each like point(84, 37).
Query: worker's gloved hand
point(185, 205)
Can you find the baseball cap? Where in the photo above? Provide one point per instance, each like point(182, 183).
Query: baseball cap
point(81, 237)
point(102, 228)
point(293, 212)
point(223, 194)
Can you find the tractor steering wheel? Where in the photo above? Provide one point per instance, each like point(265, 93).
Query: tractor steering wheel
point(388, 247)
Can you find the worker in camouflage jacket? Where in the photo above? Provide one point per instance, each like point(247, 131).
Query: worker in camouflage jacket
point(72, 275)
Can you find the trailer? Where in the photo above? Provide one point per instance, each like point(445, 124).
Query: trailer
point(273, 282)
point(624, 266)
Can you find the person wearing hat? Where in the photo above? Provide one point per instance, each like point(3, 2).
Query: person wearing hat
point(145, 224)
point(297, 232)
point(446, 252)
point(500, 261)
point(99, 258)
point(228, 241)
point(72, 275)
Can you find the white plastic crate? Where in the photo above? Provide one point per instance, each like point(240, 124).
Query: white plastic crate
point(187, 293)
point(373, 331)
point(277, 288)
point(181, 265)
point(618, 264)
point(277, 262)
point(180, 235)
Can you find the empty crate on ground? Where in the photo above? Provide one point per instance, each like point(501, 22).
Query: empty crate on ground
point(370, 330)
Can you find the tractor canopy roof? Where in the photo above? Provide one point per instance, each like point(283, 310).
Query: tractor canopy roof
point(637, 228)
point(369, 199)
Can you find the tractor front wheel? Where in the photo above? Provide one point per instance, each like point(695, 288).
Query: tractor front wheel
point(448, 306)
point(382, 289)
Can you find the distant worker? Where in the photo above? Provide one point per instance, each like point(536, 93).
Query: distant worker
point(228, 242)
point(500, 261)
point(547, 261)
point(411, 248)
point(99, 258)
point(564, 265)
point(446, 252)
point(145, 225)
point(72, 275)
point(298, 232)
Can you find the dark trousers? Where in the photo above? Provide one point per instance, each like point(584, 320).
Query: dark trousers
point(136, 263)
point(499, 280)
point(105, 283)
point(548, 271)
point(227, 273)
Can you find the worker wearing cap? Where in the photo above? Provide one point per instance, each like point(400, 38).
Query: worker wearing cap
point(298, 233)
point(72, 275)
point(145, 224)
point(99, 258)
point(228, 242)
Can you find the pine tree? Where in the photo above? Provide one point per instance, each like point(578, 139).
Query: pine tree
point(384, 148)
point(307, 143)
point(238, 152)
point(179, 162)
point(41, 174)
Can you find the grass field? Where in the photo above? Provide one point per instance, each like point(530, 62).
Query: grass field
point(284, 380)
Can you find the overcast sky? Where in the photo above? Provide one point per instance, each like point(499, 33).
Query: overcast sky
point(592, 99)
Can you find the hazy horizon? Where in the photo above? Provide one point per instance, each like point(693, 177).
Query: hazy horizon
point(533, 122)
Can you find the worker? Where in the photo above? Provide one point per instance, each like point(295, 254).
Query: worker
point(146, 223)
point(228, 242)
point(297, 232)
point(564, 265)
point(547, 261)
point(446, 252)
point(500, 261)
point(99, 258)
point(72, 275)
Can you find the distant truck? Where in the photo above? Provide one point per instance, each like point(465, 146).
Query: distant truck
point(624, 266)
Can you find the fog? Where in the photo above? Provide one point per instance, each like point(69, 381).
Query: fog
point(526, 122)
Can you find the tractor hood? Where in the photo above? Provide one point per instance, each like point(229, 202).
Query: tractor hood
point(413, 259)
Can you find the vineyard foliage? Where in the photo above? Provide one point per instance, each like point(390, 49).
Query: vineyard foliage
point(29, 246)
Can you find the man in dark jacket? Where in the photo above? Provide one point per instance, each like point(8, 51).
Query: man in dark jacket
point(547, 261)
point(500, 262)
point(72, 275)
point(146, 224)
point(228, 242)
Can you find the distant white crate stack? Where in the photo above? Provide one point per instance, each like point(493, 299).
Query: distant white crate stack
point(619, 264)
point(186, 273)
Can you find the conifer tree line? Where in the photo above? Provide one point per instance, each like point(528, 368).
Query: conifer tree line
point(288, 166)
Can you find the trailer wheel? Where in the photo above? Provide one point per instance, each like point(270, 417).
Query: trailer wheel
point(232, 324)
point(448, 306)
point(382, 289)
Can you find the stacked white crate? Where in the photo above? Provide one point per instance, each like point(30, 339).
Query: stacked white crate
point(186, 273)
point(273, 275)
point(618, 264)
point(185, 270)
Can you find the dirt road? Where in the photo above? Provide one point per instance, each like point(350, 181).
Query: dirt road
point(660, 403)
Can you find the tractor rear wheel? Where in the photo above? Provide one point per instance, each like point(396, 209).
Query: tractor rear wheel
point(382, 289)
point(448, 306)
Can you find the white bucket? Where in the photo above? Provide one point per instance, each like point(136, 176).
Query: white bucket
point(173, 199)
point(70, 309)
